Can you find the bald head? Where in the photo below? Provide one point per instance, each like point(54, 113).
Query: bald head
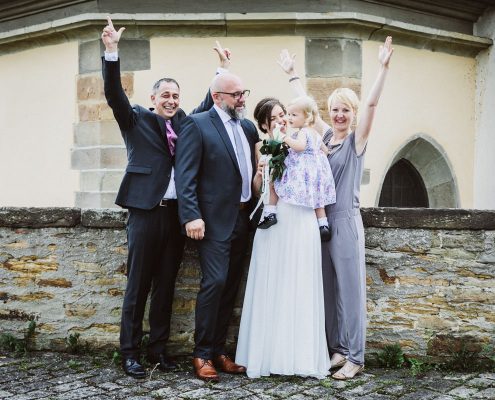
point(222, 82)
point(228, 93)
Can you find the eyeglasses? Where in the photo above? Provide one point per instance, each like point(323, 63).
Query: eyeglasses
point(238, 95)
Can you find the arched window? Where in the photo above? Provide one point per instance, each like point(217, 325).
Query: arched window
point(403, 187)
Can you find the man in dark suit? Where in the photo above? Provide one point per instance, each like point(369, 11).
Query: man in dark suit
point(215, 163)
point(154, 236)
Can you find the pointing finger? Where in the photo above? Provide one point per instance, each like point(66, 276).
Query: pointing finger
point(109, 21)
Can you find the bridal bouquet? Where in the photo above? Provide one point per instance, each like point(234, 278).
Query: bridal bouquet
point(276, 150)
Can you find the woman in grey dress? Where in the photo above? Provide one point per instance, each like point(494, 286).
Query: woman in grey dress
point(344, 273)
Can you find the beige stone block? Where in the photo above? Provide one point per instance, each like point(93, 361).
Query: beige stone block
point(127, 79)
point(48, 328)
point(103, 281)
point(94, 112)
point(90, 87)
point(434, 323)
point(116, 312)
point(87, 267)
point(93, 133)
point(321, 88)
point(109, 328)
point(411, 280)
point(101, 181)
point(57, 282)
point(470, 274)
point(183, 305)
point(120, 250)
point(80, 310)
point(99, 158)
point(471, 295)
point(115, 292)
point(96, 200)
point(17, 245)
point(91, 247)
point(32, 264)
point(24, 281)
point(34, 296)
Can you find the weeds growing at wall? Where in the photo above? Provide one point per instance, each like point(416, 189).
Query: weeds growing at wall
point(19, 346)
point(466, 356)
point(391, 356)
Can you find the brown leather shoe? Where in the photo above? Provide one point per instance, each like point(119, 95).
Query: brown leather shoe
point(227, 365)
point(204, 369)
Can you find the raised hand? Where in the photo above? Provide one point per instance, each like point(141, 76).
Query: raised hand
point(223, 54)
point(287, 62)
point(110, 37)
point(385, 52)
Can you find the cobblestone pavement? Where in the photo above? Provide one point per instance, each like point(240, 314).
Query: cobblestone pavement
point(64, 376)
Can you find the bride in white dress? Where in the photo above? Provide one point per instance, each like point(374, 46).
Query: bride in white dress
point(282, 328)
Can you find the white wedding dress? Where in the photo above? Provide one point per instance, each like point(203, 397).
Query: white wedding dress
point(282, 328)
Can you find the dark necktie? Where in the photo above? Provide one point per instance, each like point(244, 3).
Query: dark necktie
point(241, 158)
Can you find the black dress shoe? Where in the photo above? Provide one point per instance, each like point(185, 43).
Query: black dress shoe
point(325, 234)
point(133, 368)
point(269, 220)
point(164, 362)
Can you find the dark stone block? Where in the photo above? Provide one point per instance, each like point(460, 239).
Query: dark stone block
point(103, 218)
point(33, 217)
point(329, 57)
point(428, 218)
point(134, 54)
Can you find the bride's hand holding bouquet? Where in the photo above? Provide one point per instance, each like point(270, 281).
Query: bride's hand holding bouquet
point(276, 150)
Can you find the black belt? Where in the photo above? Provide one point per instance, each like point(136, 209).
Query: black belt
point(168, 203)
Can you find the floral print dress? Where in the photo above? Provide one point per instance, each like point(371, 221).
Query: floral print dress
point(307, 179)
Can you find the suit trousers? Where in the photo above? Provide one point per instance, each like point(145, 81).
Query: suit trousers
point(344, 285)
point(222, 266)
point(156, 246)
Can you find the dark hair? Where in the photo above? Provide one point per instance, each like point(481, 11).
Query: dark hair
point(263, 111)
point(159, 82)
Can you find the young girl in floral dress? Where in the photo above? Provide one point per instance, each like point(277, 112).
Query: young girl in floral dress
point(307, 179)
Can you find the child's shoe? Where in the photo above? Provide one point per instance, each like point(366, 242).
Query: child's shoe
point(269, 220)
point(325, 234)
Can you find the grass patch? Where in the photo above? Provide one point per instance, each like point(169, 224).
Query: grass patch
point(19, 346)
point(391, 356)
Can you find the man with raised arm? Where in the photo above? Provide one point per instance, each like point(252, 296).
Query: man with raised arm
point(147, 190)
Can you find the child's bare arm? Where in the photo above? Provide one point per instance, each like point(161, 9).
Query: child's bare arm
point(297, 144)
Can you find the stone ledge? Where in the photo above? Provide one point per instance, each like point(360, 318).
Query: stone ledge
point(86, 26)
point(103, 218)
point(383, 217)
point(30, 217)
point(428, 218)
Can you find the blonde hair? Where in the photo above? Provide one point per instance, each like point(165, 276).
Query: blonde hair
point(346, 96)
point(308, 106)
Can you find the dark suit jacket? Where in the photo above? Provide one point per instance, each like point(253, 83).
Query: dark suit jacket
point(208, 179)
point(149, 167)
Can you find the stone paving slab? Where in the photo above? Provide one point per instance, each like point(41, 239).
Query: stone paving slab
point(60, 376)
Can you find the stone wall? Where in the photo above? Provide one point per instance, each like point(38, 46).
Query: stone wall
point(430, 276)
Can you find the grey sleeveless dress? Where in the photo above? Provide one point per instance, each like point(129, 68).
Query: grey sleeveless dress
point(343, 263)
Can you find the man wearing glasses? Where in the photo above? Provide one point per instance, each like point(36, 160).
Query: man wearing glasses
point(214, 171)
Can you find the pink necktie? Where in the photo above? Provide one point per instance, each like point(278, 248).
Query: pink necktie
point(171, 136)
